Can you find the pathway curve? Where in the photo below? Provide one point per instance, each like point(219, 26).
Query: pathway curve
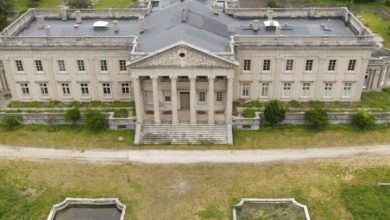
point(191, 156)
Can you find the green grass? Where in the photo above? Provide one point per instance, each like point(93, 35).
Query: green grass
point(112, 3)
point(203, 191)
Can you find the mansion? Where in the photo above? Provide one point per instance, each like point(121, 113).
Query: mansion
point(185, 62)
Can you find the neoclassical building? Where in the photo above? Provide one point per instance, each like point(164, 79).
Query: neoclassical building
point(185, 62)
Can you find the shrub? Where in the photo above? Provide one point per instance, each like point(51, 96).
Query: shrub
point(316, 118)
point(273, 4)
point(249, 113)
point(54, 104)
point(96, 104)
point(252, 104)
point(72, 115)
point(316, 104)
point(121, 113)
point(95, 120)
point(11, 121)
point(294, 104)
point(33, 104)
point(362, 120)
point(274, 112)
point(75, 104)
point(387, 3)
point(80, 3)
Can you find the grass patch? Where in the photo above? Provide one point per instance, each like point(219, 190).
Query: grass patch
point(112, 4)
point(211, 213)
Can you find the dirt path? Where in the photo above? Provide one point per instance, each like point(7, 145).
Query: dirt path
point(191, 156)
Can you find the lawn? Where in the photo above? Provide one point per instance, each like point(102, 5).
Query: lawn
point(29, 189)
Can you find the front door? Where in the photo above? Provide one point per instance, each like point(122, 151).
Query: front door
point(184, 100)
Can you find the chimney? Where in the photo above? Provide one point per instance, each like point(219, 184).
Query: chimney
point(116, 28)
point(270, 14)
point(278, 31)
point(63, 13)
point(141, 22)
point(76, 30)
point(78, 16)
point(255, 25)
point(48, 31)
point(184, 15)
point(41, 22)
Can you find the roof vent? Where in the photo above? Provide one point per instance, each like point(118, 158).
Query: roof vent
point(271, 25)
point(286, 27)
point(255, 25)
point(100, 25)
point(41, 22)
point(78, 16)
point(116, 28)
point(184, 15)
point(141, 24)
point(325, 28)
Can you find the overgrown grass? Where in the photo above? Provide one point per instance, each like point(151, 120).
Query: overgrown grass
point(29, 189)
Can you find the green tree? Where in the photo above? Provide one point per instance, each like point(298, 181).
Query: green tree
point(363, 120)
point(80, 3)
point(11, 121)
point(316, 118)
point(274, 112)
point(6, 9)
point(95, 120)
point(72, 115)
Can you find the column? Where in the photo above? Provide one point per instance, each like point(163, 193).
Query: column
point(138, 98)
point(174, 100)
point(192, 100)
point(210, 103)
point(156, 105)
point(229, 100)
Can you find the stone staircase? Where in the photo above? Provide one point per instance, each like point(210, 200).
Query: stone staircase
point(183, 134)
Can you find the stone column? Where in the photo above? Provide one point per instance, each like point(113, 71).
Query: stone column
point(174, 100)
point(211, 100)
point(138, 98)
point(229, 100)
point(156, 105)
point(192, 100)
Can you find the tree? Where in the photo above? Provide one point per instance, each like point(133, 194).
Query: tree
point(95, 120)
point(363, 120)
point(317, 118)
point(80, 4)
point(274, 112)
point(72, 115)
point(6, 9)
point(11, 121)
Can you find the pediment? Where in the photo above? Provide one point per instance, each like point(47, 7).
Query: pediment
point(182, 55)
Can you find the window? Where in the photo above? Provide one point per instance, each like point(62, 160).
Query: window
point(309, 65)
point(245, 89)
point(332, 65)
point(38, 65)
point(202, 96)
point(125, 88)
point(247, 65)
point(219, 96)
point(328, 89)
point(19, 65)
point(267, 65)
point(25, 89)
point(264, 92)
point(289, 65)
point(84, 89)
point(122, 65)
point(106, 88)
point(61, 65)
point(306, 89)
point(44, 89)
point(65, 89)
point(103, 65)
point(347, 91)
point(286, 90)
point(81, 65)
point(351, 65)
point(366, 78)
point(167, 96)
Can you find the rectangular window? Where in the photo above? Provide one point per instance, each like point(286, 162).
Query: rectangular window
point(264, 92)
point(289, 65)
point(219, 96)
point(202, 96)
point(167, 96)
point(19, 65)
point(347, 91)
point(61, 65)
point(103, 65)
point(247, 65)
point(306, 86)
point(125, 88)
point(25, 89)
point(309, 65)
point(122, 65)
point(267, 65)
point(81, 65)
point(332, 65)
point(328, 89)
point(44, 89)
point(38, 65)
point(286, 90)
point(65, 89)
point(106, 88)
point(245, 89)
point(84, 89)
point(351, 65)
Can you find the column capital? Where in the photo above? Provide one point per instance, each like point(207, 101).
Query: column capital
point(153, 76)
point(173, 77)
point(230, 77)
point(192, 77)
point(211, 77)
point(134, 77)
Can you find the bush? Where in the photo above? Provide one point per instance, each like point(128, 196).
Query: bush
point(80, 4)
point(274, 112)
point(273, 4)
point(72, 115)
point(11, 121)
point(316, 104)
point(317, 118)
point(387, 3)
point(96, 104)
point(252, 104)
point(121, 113)
point(95, 120)
point(294, 104)
point(363, 120)
point(249, 113)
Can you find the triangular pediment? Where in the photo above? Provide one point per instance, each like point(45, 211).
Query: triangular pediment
point(182, 55)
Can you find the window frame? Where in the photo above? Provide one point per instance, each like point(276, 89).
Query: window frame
point(125, 89)
point(332, 65)
point(306, 87)
point(84, 89)
point(219, 97)
point(245, 86)
point(103, 66)
point(267, 65)
point(352, 65)
point(38, 66)
point(65, 88)
point(122, 66)
point(106, 88)
point(350, 87)
point(61, 66)
point(326, 91)
point(284, 89)
point(289, 65)
point(25, 89)
point(264, 88)
point(19, 66)
point(309, 65)
point(81, 66)
point(202, 96)
point(44, 88)
point(247, 67)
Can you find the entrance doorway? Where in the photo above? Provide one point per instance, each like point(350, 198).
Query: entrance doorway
point(184, 100)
